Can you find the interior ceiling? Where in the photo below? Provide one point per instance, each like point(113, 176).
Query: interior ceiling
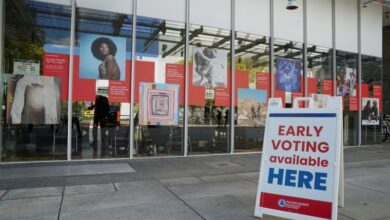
point(169, 35)
point(386, 16)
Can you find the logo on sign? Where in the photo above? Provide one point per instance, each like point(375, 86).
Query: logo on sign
point(282, 203)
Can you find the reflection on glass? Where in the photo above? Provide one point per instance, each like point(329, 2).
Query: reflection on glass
point(159, 88)
point(34, 126)
point(101, 84)
point(252, 89)
point(209, 90)
point(346, 86)
point(371, 102)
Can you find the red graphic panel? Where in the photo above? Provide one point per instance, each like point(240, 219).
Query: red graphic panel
point(353, 104)
point(377, 93)
point(119, 91)
point(263, 81)
point(174, 74)
point(365, 93)
point(144, 72)
point(312, 86)
point(83, 89)
point(242, 81)
point(57, 65)
point(327, 87)
point(196, 94)
point(315, 208)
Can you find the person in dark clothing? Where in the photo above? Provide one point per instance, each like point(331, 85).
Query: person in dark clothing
point(219, 118)
point(226, 117)
point(102, 109)
point(374, 110)
point(366, 110)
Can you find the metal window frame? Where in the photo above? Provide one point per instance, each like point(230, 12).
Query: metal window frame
point(359, 72)
point(305, 94)
point(2, 20)
point(185, 138)
point(334, 68)
point(233, 73)
point(132, 74)
point(271, 48)
point(70, 77)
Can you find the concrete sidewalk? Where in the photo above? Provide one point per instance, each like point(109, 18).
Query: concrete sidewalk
point(208, 187)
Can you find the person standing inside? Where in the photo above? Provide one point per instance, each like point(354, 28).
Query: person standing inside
point(102, 109)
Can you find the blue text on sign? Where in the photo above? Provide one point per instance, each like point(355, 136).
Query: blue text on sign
point(298, 178)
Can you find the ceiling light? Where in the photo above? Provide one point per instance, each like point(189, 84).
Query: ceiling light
point(292, 5)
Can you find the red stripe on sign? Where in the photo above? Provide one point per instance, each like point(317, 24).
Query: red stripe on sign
point(296, 205)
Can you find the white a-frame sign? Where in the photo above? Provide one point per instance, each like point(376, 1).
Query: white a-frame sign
point(301, 175)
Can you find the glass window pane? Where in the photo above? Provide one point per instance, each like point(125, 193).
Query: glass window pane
point(371, 102)
point(209, 90)
point(159, 87)
point(346, 82)
point(253, 87)
point(101, 84)
point(319, 73)
point(36, 55)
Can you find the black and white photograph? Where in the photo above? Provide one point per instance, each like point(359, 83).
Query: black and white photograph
point(209, 67)
point(33, 100)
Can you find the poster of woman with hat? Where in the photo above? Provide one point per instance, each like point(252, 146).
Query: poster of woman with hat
point(102, 57)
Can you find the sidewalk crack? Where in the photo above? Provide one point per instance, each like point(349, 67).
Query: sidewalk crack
point(184, 202)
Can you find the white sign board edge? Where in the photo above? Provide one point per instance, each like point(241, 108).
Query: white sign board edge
point(333, 104)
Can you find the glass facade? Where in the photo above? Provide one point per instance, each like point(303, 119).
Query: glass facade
point(160, 67)
point(159, 88)
point(34, 96)
point(253, 88)
point(210, 90)
point(371, 93)
point(101, 84)
point(347, 87)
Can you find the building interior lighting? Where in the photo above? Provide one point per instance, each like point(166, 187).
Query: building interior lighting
point(292, 5)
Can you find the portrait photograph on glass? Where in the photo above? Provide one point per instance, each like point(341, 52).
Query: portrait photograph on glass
point(103, 57)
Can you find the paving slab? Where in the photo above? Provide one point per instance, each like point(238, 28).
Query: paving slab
point(33, 208)
point(33, 192)
point(148, 193)
point(241, 187)
point(67, 170)
point(88, 179)
point(163, 211)
point(361, 203)
point(357, 172)
point(378, 183)
point(249, 175)
point(92, 188)
point(219, 178)
point(180, 181)
point(36, 182)
point(224, 207)
point(187, 164)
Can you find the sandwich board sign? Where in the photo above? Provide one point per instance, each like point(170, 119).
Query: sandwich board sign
point(300, 167)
